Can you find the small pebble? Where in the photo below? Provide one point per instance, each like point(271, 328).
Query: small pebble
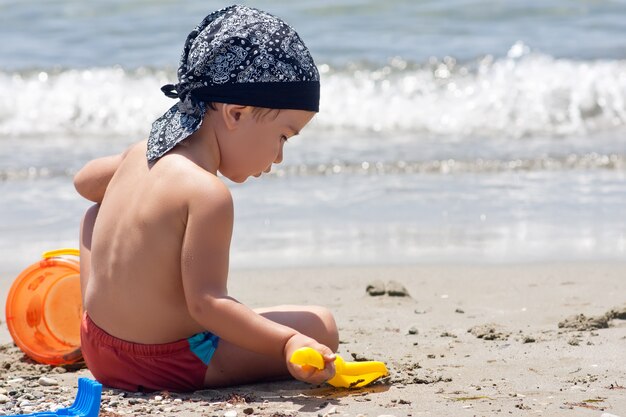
point(158, 398)
point(413, 330)
point(230, 413)
point(458, 310)
point(47, 382)
point(329, 412)
point(15, 381)
point(395, 289)
point(358, 357)
point(573, 342)
point(4, 399)
point(38, 394)
point(375, 288)
point(248, 411)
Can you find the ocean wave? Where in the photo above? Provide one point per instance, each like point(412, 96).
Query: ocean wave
point(588, 161)
point(524, 94)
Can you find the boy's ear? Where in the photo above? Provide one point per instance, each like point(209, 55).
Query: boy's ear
point(234, 114)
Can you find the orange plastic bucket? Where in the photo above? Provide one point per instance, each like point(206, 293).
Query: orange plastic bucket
point(44, 309)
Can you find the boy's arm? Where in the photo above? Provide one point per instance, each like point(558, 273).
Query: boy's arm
point(204, 266)
point(91, 181)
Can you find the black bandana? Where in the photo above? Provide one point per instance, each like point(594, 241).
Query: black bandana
point(237, 55)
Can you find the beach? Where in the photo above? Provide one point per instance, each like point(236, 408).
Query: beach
point(468, 163)
point(465, 340)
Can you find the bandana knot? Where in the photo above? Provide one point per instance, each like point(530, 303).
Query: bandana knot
point(171, 90)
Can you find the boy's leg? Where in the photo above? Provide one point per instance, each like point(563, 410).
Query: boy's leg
point(86, 233)
point(232, 365)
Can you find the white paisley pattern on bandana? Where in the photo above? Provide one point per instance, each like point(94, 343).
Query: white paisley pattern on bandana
point(236, 47)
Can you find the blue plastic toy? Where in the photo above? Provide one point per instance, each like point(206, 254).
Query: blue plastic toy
point(86, 404)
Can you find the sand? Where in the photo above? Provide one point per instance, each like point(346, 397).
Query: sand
point(461, 340)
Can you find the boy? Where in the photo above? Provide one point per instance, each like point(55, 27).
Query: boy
point(154, 249)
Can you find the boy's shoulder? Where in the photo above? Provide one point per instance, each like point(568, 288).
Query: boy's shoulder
point(189, 180)
point(184, 180)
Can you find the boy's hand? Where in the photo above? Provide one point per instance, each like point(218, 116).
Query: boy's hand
point(306, 373)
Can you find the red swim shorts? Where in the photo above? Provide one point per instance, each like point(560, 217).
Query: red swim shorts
point(177, 366)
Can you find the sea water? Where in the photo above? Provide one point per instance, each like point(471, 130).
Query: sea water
point(449, 131)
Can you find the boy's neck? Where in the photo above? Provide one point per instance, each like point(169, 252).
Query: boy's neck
point(203, 148)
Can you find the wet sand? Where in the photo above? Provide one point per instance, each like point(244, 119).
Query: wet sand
point(462, 340)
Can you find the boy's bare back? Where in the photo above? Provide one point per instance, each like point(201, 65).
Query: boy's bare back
point(135, 289)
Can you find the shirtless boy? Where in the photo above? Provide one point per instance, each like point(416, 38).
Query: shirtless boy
point(155, 246)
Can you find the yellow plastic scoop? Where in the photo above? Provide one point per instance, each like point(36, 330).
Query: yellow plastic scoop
point(348, 374)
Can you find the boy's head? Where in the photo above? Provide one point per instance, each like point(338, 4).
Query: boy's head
point(251, 139)
point(237, 56)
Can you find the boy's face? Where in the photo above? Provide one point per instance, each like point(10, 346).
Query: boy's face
point(255, 142)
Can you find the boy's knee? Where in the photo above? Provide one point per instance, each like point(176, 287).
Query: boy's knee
point(331, 336)
point(314, 321)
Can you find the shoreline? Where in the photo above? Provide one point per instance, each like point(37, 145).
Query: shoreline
point(468, 340)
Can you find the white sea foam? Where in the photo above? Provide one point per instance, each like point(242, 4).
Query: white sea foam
point(95, 101)
point(524, 94)
point(521, 95)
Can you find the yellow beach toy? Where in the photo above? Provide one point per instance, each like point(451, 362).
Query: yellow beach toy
point(348, 374)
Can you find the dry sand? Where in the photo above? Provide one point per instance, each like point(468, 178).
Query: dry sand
point(467, 341)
